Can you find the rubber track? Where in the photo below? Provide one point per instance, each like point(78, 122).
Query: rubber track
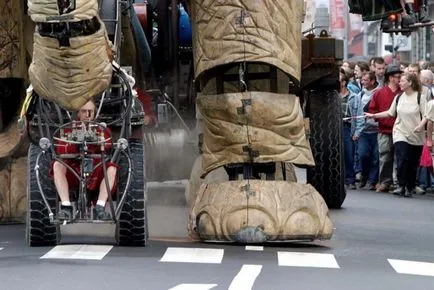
point(326, 140)
point(132, 228)
point(39, 230)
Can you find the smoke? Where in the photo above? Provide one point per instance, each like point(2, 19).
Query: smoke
point(169, 154)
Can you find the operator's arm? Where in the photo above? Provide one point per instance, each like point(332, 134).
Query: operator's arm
point(107, 133)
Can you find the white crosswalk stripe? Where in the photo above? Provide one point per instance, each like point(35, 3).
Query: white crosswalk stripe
point(246, 275)
point(254, 248)
point(194, 287)
point(245, 279)
point(193, 255)
point(412, 267)
point(79, 252)
point(315, 260)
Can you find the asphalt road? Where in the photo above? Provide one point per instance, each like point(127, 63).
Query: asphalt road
point(380, 242)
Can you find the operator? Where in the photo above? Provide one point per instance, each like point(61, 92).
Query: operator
point(64, 179)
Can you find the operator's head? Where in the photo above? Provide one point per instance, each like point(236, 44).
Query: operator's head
point(87, 112)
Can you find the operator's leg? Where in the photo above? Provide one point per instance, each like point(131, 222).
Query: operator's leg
point(61, 183)
point(103, 194)
point(99, 211)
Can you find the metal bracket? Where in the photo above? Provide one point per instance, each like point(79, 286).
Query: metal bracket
point(246, 189)
point(241, 74)
point(249, 151)
point(244, 103)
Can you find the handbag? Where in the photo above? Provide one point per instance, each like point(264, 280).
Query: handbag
point(425, 158)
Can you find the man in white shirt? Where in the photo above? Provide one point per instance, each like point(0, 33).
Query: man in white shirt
point(367, 134)
point(427, 80)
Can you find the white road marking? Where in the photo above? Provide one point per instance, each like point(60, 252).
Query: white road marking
point(193, 287)
point(1, 249)
point(82, 252)
point(412, 267)
point(246, 277)
point(193, 255)
point(254, 248)
point(294, 259)
point(167, 183)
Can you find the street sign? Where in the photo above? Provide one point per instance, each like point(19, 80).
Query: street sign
point(402, 42)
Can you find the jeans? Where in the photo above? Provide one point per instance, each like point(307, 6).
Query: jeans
point(368, 152)
point(425, 177)
point(407, 161)
point(350, 175)
point(357, 161)
point(385, 150)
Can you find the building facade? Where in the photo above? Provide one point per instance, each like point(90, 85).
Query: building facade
point(366, 39)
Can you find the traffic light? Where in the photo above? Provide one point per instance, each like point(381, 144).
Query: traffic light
point(390, 23)
point(396, 23)
point(393, 17)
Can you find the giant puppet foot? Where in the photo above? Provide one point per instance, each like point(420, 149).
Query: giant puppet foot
point(257, 211)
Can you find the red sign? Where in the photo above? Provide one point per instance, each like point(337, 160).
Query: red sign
point(337, 14)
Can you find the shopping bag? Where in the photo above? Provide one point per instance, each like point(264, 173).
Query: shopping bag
point(426, 158)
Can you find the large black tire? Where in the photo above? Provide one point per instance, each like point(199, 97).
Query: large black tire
point(39, 230)
point(326, 140)
point(132, 227)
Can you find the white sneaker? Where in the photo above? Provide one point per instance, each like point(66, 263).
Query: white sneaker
point(419, 190)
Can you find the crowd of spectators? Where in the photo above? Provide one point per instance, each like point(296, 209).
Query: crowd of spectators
point(388, 113)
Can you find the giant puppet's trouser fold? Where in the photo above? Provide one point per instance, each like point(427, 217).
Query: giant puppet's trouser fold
point(73, 75)
point(253, 211)
point(47, 10)
point(266, 31)
point(257, 127)
point(262, 125)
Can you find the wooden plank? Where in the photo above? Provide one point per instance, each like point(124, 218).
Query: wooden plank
point(12, 50)
point(5, 191)
point(18, 196)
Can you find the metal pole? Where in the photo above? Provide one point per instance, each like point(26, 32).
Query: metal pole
point(346, 18)
point(424, 44)
point(394, 49)
point(175, 69)
point(365, 38)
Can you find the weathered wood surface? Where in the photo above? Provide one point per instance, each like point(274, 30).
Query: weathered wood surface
point(13, 175)
point(13, 201)
point(12, 50)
